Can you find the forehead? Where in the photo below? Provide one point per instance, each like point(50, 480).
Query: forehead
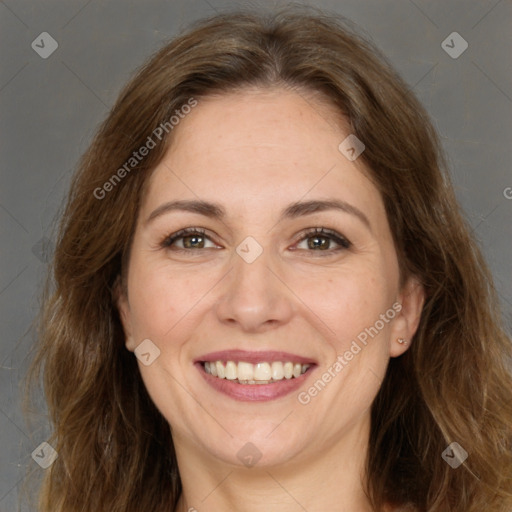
point(258, 146)
point(284, 124)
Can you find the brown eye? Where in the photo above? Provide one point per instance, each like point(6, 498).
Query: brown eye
point(322, 240)
point(319, 242)
point(188, 239)
point(193, 241)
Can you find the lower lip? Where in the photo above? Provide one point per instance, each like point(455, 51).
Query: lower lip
point(255, 392)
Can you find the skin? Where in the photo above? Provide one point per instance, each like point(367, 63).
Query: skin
point(254, 152)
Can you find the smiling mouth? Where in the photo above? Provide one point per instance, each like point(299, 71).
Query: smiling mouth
point(242, 372)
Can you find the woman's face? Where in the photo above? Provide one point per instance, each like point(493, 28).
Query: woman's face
point(289, 259)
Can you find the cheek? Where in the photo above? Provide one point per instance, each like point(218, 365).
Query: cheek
point(162, 297)
point(347, 300)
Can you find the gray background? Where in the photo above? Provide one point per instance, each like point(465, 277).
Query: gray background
point(51, 107)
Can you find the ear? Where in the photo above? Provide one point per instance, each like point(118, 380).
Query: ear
point(405, 324)
point(121, 301)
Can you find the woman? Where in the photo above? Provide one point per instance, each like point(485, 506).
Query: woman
point(265, 296)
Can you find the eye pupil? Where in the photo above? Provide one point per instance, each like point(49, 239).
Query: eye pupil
point(191, 241)
point(318, 242)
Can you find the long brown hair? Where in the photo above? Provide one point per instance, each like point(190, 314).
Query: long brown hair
point(453, 385)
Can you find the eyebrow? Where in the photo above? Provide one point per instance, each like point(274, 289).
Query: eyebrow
point(293, 211)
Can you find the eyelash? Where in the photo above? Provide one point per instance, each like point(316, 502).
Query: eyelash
point(340, 240)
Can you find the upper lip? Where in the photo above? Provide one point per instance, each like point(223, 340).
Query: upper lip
point(254, 356)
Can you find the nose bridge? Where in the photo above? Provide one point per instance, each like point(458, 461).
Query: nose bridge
point(252, 269)
point(253, 296)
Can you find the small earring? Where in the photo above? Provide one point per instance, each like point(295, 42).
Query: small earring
point(402, 341)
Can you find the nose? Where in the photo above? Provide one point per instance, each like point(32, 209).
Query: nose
point(253, 296)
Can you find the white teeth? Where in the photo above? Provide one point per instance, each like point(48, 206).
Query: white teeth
point(260, 373)
point(277, 371)
point(231, 370)
point(220, 370)
point(245, 371)
point(288, 370)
